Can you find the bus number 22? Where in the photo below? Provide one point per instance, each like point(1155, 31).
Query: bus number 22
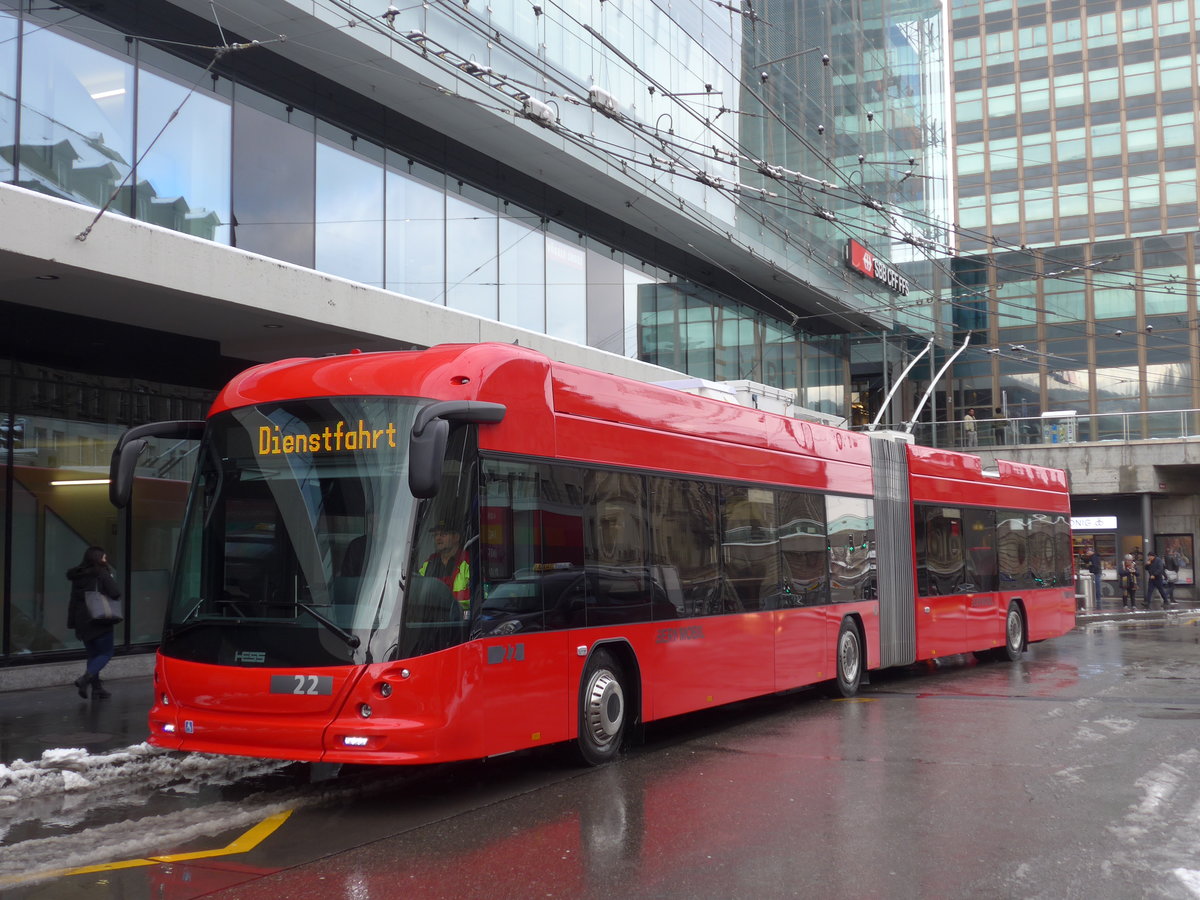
point(301, 684)
point(306, 684)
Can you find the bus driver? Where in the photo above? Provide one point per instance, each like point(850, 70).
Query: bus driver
point(449, 563)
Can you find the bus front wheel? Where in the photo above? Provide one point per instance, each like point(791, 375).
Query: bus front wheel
point(849, 660)
point(602, 711)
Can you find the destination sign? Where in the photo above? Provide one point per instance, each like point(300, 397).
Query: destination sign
point(337, 438)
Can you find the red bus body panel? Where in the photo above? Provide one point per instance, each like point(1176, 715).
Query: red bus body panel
point(499, 694)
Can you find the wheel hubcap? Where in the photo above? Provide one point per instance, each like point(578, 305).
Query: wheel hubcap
point(848, 657)
point(605, 707)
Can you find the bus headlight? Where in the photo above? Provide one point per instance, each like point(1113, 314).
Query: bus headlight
point(364, 710)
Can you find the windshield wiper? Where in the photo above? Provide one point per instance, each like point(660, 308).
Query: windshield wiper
point(352, 640)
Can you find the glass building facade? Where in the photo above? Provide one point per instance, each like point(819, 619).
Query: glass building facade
point(786, 138)
point(1075, 149)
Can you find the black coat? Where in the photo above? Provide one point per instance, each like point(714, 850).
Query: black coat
point(89, 578)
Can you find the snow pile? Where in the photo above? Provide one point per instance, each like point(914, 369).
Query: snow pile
point(66, 785)
point(155, 835)
point(72, 770)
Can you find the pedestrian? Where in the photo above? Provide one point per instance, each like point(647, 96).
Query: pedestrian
point(1091, 564)
point(1171, 572)
point(92, 574)
point(1129, 581)
point(1000, 428)
point(1157, 579)
point(970, 435)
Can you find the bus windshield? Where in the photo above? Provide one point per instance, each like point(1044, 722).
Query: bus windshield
point(296, 535)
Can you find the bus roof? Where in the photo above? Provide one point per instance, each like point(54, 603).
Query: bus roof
point(557, 410)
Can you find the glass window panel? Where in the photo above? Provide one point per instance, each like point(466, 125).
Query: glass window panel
point(1111, 300)
point(415, 236)
point(349, 215)
point(850, 524)
point(522, 270)
point(618, 589)
point(1068, 389)
point(805, 549)
point(1161, 299)
point(1042, 548)
point(76, 120)
point(684, 546)
point(471, 261)
point(65, 429)
point(184, 177)
point(566, 290)
point(982, 568)
point(274, 179)
point(1012, 550)
point(1168, 378)
point(1139, 84)
point(1036, 100)
point(636, 283)
point(8, 103)
point(1178, 135)
point(532, 548)
point(605, 300)
point(939, 550)
point(1104, 87)
point(750, 545)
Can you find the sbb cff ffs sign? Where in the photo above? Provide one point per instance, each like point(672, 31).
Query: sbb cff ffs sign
point(864, 262)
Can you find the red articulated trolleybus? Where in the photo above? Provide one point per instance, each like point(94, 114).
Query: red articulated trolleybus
point(453, 553)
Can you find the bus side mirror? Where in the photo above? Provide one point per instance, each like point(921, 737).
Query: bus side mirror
point(133, 443)
point(426, 451)
point(431, 429)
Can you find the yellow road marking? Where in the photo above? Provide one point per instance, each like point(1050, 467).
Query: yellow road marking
point(242, 844)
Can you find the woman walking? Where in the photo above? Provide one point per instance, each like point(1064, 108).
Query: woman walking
point(92, 574)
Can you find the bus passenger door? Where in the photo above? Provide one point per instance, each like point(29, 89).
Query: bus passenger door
point(523, 681)
point(942, 586)
point(984, 617)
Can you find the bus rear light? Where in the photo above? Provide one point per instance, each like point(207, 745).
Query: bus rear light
point(364, 710)
point(165, 700)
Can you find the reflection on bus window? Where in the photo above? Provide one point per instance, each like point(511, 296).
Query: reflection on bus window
point(803, 541)
point(851, 530)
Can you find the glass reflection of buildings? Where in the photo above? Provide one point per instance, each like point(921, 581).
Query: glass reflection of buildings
point(1075, 149)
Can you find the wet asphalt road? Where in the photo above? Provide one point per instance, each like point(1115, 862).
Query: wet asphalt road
point(1074, 773)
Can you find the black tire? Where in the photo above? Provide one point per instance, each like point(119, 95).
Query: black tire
point(1014, 634)
point(848, 658)
point(603, 715)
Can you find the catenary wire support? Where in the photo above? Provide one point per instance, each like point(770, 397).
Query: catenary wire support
point(908, 426)
point(895, 387)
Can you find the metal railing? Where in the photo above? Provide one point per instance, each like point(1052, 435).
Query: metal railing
point(1061, 428)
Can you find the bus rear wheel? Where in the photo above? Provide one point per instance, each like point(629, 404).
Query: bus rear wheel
point(849, 660)
point(1014, 634)
point(602, 712)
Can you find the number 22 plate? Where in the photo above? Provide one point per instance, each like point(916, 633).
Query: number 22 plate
point(302, 685)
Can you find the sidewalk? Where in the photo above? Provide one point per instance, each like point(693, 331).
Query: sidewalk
point(41, 710)
point(1111, 611)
